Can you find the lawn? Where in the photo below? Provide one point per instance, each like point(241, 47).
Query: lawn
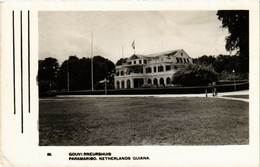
point(143, 121)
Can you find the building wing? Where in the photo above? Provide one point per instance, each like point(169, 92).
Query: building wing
point(154, 69)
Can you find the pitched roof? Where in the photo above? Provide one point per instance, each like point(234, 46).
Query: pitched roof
point(156, 55)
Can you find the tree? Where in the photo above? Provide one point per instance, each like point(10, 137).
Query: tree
point(121, 61)
point(80, 72)
point(47, 74)
point(223, 64)
point(237, 23)
point(103, 68)
point(205, 60)
point(195, 75)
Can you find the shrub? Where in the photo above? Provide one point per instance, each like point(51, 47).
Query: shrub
point(195, 75)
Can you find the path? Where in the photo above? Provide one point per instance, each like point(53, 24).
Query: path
point(220, 95)
point(243, 92)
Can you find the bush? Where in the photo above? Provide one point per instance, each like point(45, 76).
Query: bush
point(195, 75)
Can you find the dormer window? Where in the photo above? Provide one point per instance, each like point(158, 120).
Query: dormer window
point(177, 59)
point(181, 54)
point(140, 61)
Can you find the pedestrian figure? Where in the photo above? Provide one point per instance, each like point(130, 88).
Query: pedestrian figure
point(214, 89)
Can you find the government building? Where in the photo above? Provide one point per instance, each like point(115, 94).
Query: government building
point(150, 70)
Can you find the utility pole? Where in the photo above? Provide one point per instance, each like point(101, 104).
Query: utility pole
point(105, 86)
point(68, 76)
point(92, 88)
point(234, 80)
point(123, 65)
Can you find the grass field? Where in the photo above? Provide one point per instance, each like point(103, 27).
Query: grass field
point(143, 121)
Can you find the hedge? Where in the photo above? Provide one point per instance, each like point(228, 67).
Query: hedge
point(165, 90)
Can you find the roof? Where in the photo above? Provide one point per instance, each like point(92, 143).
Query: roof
point(156, 55)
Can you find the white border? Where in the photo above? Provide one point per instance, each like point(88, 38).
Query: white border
point(22, 149)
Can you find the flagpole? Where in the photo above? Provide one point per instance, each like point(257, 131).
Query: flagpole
point(92, 88)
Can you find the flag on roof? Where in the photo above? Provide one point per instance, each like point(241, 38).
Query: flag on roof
point(133, 44)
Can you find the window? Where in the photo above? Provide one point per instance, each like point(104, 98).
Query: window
point(154, 69)
point(181, 54)
point(161, 81)
point(123, 85)
point(160, 68)
point(145, 61)
point(140, 61)
point(181, 60)
point(177, 59)
point(148, 70)
point(134, 62)
point(118, 84)
point(142, 70)
point(128, 83)
point(175, 67)
point(155, 81)
point(184, 60)
point(188, 60)
point(127, 72)
point(168, 68)
point(122, 72)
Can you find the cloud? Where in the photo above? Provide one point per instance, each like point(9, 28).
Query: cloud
point(62, 34)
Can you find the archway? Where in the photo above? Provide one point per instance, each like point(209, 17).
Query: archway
point(117, 84)
point(168, 80)
point(149, 81)
point(161, 81)
point(155, 81)
point(128, 83)
point(123, 85)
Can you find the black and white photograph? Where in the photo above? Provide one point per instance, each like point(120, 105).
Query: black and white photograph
point(130, 83)
point(143, 78)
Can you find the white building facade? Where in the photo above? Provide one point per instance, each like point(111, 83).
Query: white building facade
point(150, 70)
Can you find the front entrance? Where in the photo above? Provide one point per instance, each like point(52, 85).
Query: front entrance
point(138, 83)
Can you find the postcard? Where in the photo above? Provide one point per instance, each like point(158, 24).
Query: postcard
point(130, 83)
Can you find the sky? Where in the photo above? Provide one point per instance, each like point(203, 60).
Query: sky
point(66, 33)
